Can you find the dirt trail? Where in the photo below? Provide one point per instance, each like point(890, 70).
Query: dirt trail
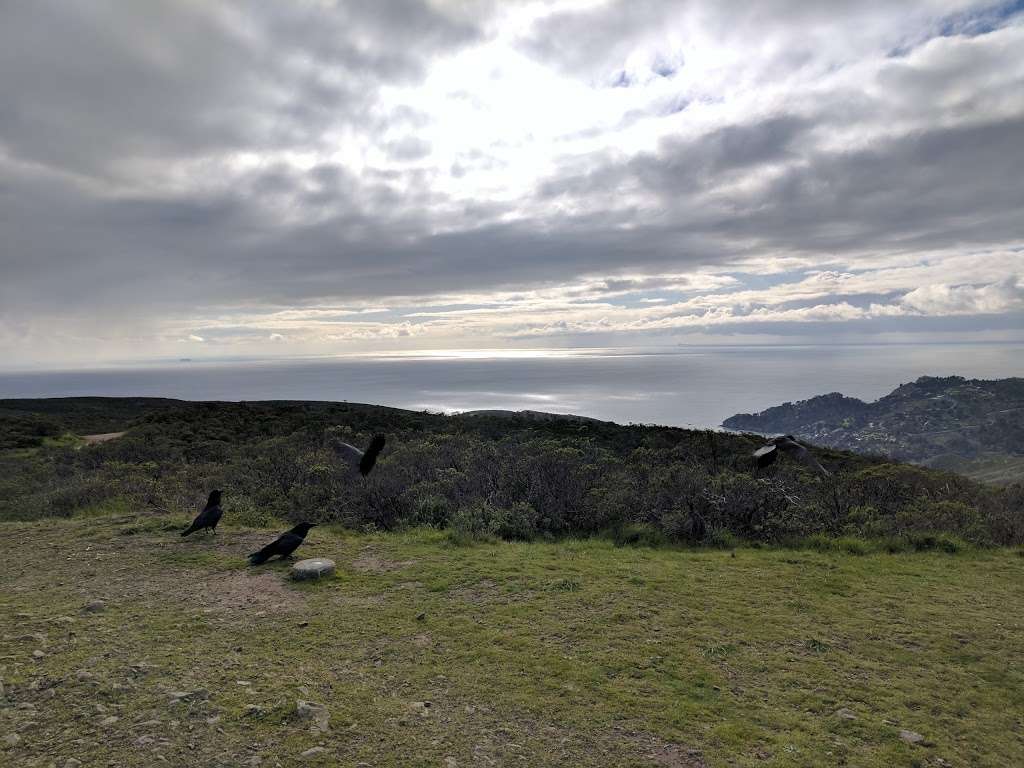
point(101, 438)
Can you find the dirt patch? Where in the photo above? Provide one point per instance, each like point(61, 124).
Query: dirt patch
point(487, 591)
point(370, 563)
point(246, 591)
point(664, 753)
point(101, 438)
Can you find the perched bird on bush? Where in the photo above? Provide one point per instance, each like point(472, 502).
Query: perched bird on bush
point(788, 445)
point(209, 517)
point(361, 460)
point(283, 545)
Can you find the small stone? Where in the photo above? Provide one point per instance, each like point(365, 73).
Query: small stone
point(254, 761)
point(12, 739)
point(72, 762)
point(451, 762)
point(108, 720)
point(143, 741)
point(252, 710)
point(846, 714)
point(317, 714)
point(911, 737)
point(37, 654)
point(313, 568)
point(421, 617)
point(312, 752)
point(84, 674)
point(95, 606)
point(200, 694)
point(421, 708)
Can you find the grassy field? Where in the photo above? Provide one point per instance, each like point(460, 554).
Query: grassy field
point(518, 654)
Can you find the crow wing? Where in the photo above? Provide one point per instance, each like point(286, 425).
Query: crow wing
point(370, 457)
point(794, 450)
point(765, 455)
point(208, 518)
point(348, 453)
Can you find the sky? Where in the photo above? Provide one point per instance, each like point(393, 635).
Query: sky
point(232, 179)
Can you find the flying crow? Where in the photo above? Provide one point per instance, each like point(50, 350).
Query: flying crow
point(283, 545)
point(788, 445)
point(209, 517)
point(358, 459)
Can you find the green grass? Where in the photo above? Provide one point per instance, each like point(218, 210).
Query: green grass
point(575, 653)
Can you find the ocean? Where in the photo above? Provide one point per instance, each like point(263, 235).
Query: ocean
point(686, 386)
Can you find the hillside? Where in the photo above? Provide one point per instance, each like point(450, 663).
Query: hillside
point(967, 425)
point(483, 476)
point(124, 644)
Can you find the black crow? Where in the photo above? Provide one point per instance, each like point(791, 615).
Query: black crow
point(363, 461)
point(283, 545)
point(787, 444)
point(209, 517)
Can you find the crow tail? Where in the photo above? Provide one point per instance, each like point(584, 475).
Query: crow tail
point(258, 558)
point(187, 531)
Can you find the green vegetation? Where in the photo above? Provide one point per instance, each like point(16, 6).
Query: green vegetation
point(971, 426)
point(567, 653)
point(482, 477)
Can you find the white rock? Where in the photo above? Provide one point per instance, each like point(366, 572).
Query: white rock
point(846, 714)
point(313, 568)
point(12, 739)
point(312, 752)
point(317, 714)
point(911, 737)
point(72, 763)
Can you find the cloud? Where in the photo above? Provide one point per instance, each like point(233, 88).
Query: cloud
point(465, 172)
point(941, 299)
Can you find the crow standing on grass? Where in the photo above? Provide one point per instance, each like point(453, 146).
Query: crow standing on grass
point(361, 460)
point(209, 517)
point(283, 545)
point(788, 445)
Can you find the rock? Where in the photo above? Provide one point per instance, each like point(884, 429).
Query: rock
point(95, 606)
point(72, 763)
point(421, 617)
point(316, 714)
point(846, 714)
point(312, 752)
point(37, 654)
point(451, 762)
point(108, 720)
point(84, 674)
point(144, 741)
point(12, 739)
point(254, 761)
point(911, 737)
point(313, 568)
point(421, 708)
point(252, 710)
point(200, 694)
